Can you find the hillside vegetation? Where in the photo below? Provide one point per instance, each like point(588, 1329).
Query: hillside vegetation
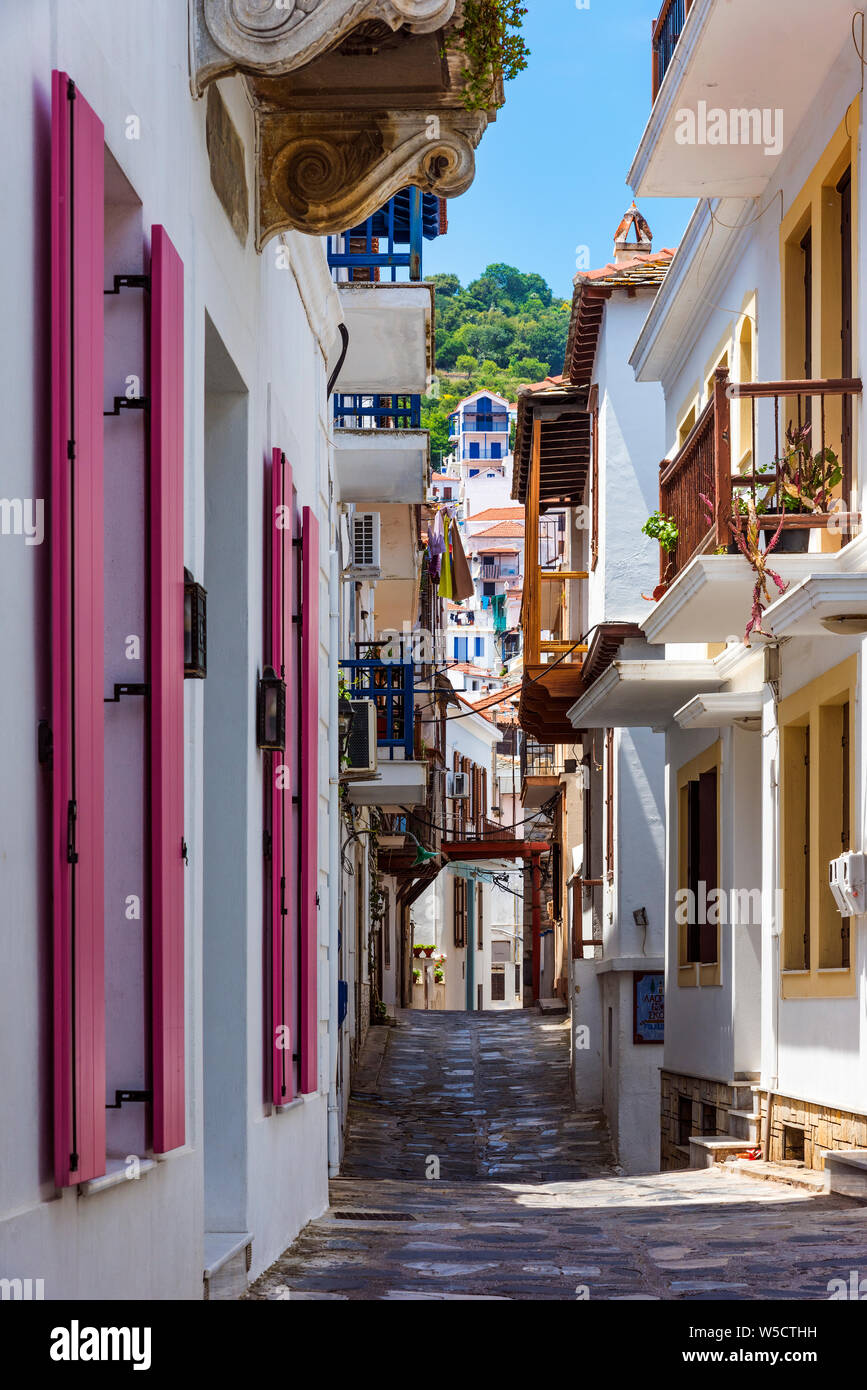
point(500, 332)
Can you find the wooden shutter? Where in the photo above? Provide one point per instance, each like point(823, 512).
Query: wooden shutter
point(77, 239)
point(693, 871)
point(308, 850)
point(166, 763)
point(282, 773)
point(707, 859)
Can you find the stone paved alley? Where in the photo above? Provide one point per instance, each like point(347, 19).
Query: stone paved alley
point(528, 1203)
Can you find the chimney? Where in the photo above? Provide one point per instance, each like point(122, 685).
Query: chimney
point(624, 249)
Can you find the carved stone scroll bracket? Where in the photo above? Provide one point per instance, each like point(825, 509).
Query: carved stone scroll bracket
point(275, 37)
point(326, 171)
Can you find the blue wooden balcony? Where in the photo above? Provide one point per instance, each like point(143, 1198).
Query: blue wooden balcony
point(391, 686)
point(369, 412)
point(389, 245)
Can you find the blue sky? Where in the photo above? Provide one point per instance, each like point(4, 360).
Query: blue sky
point(551, 171)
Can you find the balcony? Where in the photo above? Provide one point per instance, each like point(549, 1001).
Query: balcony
point(552, 457)
point(401, 780)
point(380, 452)
point(731, 86)
point(352, 101)
point(388, 247)
point(542, 765)
point(473, 423)
point(707, 582)
point(666, 32)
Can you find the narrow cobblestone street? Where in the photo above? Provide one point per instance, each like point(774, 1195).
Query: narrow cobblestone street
point(469, 1174)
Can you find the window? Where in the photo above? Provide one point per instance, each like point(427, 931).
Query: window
point(745, 407)
point(684, 1121)
point(475, 450)
point(498, 984)
point(480, 646)
point(496, 451)
point(708, 1121)
point(461, 648)
point(816, 826)
point(447, 494)
point(460, 912)
point(697, 906)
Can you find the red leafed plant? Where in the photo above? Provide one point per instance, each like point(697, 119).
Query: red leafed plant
point(746, 530)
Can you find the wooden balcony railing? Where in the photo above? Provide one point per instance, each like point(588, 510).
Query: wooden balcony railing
point(698, 488)
point(665, 33)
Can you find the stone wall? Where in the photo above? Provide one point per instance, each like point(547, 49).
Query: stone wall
point(823, 1129)
point(701, 1094)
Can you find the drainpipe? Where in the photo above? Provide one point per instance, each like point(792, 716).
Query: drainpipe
point(334, 881)
point(773, 674)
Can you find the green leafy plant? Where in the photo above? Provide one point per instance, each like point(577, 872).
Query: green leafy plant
point(416, 977)
point(806, 479)
point(491, 41)
point(663, 529)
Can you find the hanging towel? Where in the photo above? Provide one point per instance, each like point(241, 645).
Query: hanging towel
point(446, 589)
point(462, 582)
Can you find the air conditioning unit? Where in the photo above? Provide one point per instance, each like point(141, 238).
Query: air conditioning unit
point(846, 879)
point(458, 786)
point(361, 751)
point(365, 544)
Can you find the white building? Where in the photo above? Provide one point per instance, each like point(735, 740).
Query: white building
point(765, 1039)
point(606, 785)
point(171, 993)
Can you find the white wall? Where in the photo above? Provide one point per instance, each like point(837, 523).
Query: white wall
point(144, 1239)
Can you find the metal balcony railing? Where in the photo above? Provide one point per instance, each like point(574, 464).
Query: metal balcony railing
point(388, 246)
point(541, 759)
point(666, 31)
point(369, 412)
point(699, 489)
point(391, 686)
point(473, 423)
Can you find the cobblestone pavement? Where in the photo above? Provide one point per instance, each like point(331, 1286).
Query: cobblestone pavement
point(528, 1204)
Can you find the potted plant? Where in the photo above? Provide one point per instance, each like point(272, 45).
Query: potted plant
point(428, 951)
point(439, 977)
point(418, 951)
point(416, 977)
point(801, 483)
point(662, 528)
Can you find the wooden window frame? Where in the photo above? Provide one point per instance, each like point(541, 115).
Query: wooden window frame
point(832, 773)
point(691, 972)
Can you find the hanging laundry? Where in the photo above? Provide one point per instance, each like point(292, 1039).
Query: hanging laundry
point(435, 546)
point(446, 589)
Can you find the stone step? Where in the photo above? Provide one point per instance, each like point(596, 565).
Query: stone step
point(745, 1124)
point(705, 1152)
point(847, 1171)
point(791, 1174)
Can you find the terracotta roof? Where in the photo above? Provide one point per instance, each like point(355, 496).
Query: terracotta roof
point(444, 478)
point(509, 530)
point(499, 514)
point(480, 712)
point(467, 669)
point(592, 288)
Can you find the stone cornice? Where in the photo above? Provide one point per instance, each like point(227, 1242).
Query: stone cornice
point(323, 171)
point(279, 38)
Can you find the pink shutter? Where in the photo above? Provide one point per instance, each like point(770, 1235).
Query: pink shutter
point(167, 691)
point(280, 898)
point(309, 852)
point(77, 236)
